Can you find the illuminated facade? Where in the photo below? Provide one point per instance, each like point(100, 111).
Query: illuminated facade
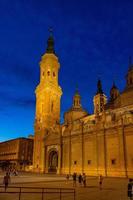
point(100, 143)
point(16, 153)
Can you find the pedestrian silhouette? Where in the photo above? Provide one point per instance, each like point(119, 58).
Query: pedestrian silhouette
point(130, 189)
point(80, 179)
point(74, 178)
point(6, 180)
point(100, 181)
point(84, 179)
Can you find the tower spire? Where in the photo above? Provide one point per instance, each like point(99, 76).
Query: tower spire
point(76, 90)
point(99, 87)
point(50, 42)
point(50, 31)
point(113, 85)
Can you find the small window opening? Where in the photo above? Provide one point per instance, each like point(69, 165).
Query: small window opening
point(75, 162)
point(89, 162)
point(48, 73)
point(113, 161)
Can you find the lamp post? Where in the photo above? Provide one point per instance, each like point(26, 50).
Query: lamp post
point(124, 148)
point(82, 140)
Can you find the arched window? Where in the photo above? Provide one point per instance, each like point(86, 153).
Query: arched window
point(48, 73)
point(53, 74)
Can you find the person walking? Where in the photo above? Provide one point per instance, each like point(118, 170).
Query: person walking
point(80, 179)
point(84, 179)
point(130, 189)
point(74, 179)
point(6, 180)
point(100, 182)
point(67, 178)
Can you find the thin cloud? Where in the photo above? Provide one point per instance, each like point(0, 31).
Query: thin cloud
point(9, 100)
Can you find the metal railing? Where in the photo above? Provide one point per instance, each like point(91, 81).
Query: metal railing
point(38, 190)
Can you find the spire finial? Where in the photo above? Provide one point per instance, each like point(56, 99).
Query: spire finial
point(50, 31)
point(99, 87)
point(50, 42)
point(114, 85)
point(114, 79)
point(113, 82)
point(76, 90)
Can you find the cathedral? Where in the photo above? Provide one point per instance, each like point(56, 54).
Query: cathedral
point(100, 143)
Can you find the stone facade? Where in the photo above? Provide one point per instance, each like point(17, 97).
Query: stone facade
point(16, 153)
point(100, 143)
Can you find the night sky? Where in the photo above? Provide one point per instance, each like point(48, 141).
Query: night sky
point(92, 38)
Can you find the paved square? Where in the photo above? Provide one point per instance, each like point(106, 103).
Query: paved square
point(113, 188)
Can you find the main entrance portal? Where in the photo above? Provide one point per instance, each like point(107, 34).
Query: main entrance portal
point(53, 162)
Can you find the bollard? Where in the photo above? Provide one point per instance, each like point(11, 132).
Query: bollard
point(74, 195)
point(42, 192)
point(60, 193)
point(20, 194)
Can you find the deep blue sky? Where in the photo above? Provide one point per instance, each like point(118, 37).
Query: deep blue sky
point(92, 38)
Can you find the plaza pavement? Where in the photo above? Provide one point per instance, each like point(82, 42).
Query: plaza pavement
point(113, 188)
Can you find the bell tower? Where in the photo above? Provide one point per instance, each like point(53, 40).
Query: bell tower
point(48, 95)
point(48, 92)
point(99, 99)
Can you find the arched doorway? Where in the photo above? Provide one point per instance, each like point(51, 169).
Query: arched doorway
point(53, 162)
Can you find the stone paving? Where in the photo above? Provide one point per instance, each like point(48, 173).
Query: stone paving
point(113, 188)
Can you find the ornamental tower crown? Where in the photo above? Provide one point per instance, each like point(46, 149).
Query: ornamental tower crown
point(99, 99)
point(77, 100)
point(114, 92)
